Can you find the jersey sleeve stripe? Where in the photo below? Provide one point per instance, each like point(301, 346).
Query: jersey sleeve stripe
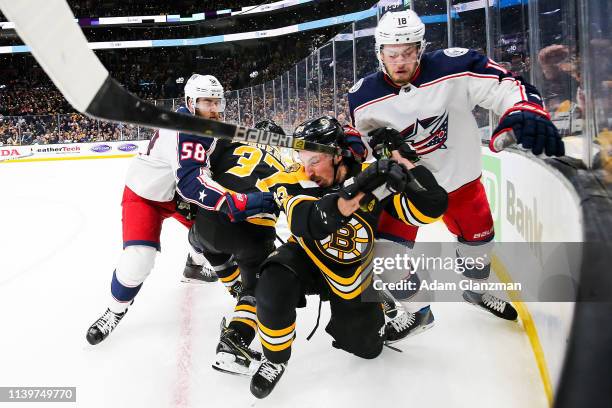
point(397, 204)
point(418, 215)
point(328, 272)
point(520, 86)
point(373, 102)
point(471, 74)
point(412, 218)
point(292, 202)
point(495, 65)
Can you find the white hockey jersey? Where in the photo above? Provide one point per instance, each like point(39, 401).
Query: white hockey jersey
point(176, 162)
point(434, 111)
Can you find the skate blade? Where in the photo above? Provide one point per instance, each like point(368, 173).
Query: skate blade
point(226, 364)
point(196, 281)
point(416, 331)
point(484, 309)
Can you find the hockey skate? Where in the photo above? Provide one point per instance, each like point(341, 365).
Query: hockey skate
point(389, 306)
point(408, 324)
point(104, 326)
point(266, 377)
point(194, 273)
point(233, 355)
point(491, 304)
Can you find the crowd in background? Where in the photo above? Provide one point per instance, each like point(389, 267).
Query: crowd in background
point(212, 25)
point(33, 111)
point(152, 74)
point(97, 8)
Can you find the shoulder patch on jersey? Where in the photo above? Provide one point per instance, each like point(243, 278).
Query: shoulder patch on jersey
point(455, 52)
point(356, 87)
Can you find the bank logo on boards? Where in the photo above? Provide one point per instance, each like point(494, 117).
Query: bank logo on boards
point(492, 181)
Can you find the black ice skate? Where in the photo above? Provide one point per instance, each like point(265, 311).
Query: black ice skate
point(233, 355)
point(104, 326)
point(194, 273)
point(266, 377)
point(491, 304)
point(388, 304)
point(408, 324)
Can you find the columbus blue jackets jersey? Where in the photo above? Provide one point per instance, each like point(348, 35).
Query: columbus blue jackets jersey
point(434, 111)
point(201, 169)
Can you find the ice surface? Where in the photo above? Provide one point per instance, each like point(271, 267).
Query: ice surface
point(60, 238)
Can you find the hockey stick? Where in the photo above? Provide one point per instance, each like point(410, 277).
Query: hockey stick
point(6, 159)
point(59, 46)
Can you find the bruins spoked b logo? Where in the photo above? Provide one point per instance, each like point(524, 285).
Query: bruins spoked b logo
point(350, 244)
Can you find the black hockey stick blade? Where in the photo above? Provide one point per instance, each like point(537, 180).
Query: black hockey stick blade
point(59, 46)
point(113, 102)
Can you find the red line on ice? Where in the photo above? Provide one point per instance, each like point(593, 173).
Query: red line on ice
point(183, 361)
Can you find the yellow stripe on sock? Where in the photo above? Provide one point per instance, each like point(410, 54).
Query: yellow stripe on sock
point(231, 277)
point(248, 308)
point(279, 347)
point(246, 321)
point(276, 333)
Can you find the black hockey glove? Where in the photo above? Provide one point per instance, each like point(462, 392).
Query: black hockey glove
point(327, 218)
point(532, 128)
point(239, 207)
point(385, 139)
point(379, 180)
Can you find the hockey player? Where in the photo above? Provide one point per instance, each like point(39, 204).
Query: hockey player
point(150, 197)
point(426, 100)
point(236, 246)
point(331, 247)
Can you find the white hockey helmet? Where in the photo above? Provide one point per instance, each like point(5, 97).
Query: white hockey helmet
point(399, 27)
point(204, 86)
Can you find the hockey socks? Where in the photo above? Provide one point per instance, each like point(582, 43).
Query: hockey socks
point(122, 295)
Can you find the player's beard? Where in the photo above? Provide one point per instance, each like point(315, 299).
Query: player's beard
point(405, 74)
point(209, 115)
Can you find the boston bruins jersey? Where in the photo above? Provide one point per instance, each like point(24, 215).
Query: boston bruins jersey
point(225, 166)
point(345, 256)
point(243, 168)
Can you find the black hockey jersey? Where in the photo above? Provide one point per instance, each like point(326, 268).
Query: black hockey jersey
point(345, 256)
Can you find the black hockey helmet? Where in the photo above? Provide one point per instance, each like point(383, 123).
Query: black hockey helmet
point(270, 126)
point(324, 130)
point(328, 131)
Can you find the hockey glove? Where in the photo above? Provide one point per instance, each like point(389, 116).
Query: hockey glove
point(379, 180)
point(327, 217)
point(532, 128)
point(385, 139)
point(353, 144)
point(239, 207)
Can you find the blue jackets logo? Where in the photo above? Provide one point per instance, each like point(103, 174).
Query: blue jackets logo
point(128, 147)
point(100, 148)
point(428, 134)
